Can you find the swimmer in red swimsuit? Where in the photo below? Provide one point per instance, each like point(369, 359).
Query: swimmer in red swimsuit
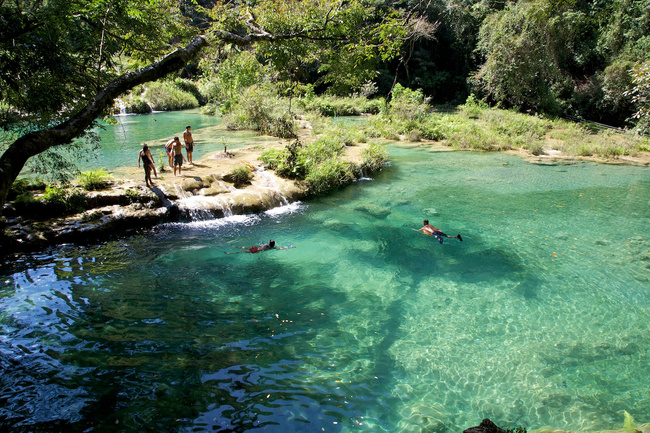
point(262, 247)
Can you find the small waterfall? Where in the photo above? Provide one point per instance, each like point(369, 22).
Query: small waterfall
point(265, 193)
point(193, 205)
point(363, 175)
point(122, 107)
point(268, 183)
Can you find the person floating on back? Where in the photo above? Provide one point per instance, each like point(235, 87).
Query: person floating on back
point(263, 247)
point(428, 229)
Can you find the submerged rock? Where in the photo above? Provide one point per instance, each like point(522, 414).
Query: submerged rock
point(486, 426)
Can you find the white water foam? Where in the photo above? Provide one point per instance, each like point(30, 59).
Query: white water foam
point(228, 221)
point(287, 209)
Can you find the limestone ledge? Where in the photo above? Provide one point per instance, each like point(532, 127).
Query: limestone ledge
point(127, 205)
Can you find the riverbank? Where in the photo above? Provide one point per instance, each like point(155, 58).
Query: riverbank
point(206, 190)
point(203, 190)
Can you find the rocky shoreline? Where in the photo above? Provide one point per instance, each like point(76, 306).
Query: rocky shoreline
point(204, 190)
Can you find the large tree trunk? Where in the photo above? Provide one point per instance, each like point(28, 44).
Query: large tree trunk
point(14, 158)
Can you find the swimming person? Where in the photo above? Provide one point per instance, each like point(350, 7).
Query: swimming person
point(428, 229)
point(263, 247)
point(189, 143)
point(147, 163)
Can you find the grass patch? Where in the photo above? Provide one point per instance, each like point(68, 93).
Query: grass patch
point(341, 106)
point(94, 180)
point(167, 96)
point(374, 156)
point(260, 109)
point(240, 175)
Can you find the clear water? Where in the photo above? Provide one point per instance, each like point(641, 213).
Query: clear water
point(538, 318)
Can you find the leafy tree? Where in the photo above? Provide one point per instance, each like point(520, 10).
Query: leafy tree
point(624, 30)
point(60, 63)
point(640, 94)
point(60, 70)
point(528, 50)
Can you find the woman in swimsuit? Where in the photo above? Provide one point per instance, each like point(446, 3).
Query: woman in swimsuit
point(147, 163)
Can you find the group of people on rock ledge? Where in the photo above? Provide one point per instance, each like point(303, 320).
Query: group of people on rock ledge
point(174, 150)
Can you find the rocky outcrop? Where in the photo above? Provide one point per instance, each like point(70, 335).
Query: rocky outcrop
point(127, 206)
point(486, 426)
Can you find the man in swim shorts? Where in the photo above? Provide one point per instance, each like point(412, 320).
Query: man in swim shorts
point(428, 229)
point(177, 154)
point(189, 143)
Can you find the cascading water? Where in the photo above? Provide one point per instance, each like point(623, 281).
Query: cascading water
point(122, 106)
point(201, 207)
point(267, 182)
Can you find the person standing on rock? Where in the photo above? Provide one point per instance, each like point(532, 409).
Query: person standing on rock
point(189, 143)
point(177, 155)
point(148, 164)
point(168, 148)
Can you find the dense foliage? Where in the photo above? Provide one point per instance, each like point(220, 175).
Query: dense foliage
point(63, 63)
point(55, 55)
point(319, 163)
point(567, 57)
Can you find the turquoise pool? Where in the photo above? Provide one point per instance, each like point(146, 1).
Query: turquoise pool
point(538, 318)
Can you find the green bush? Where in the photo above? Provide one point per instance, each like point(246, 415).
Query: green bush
point(329, 175)
point(317, 163)
point(536, 148)
point(407, 104)
point(240, 175)
point(166, 96)
point(273, 157)
point(323, 148)
point(432, 129)
point(373, 157)
point(24, 186)
point(137, 105)
point(260, 109)
point(473, 107)
point(192, 88)
point(132, 196)
point(282, 127)
point(341, 106)
point(59, 200)
point(94, 180)
point(473, 136)
point(515, 124)
point(289, 162)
